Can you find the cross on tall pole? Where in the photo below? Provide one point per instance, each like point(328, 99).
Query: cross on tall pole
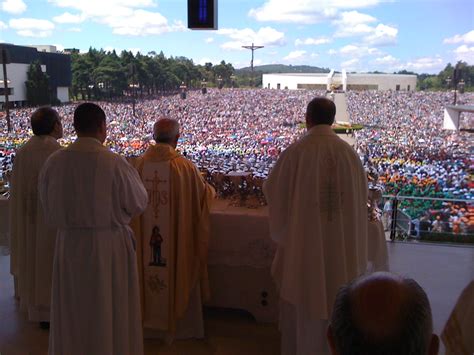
point(253, 48)
point(4, 60)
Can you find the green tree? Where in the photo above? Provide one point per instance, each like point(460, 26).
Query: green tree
point(37, 85)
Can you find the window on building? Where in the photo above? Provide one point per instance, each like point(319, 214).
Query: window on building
point(278, 86)
point(408, 88)
point(397, 87)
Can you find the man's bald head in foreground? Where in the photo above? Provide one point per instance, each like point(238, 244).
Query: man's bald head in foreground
point(382, 314)
point(166, 130)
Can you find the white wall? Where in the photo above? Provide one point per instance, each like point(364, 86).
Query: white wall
point(63, 93)
point(16, 74)
point(382, 81)
point(291, 81)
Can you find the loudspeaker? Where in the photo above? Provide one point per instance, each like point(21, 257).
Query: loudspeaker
point(202, 14)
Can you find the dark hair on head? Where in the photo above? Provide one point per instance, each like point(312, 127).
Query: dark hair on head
point(321, 110)
point(88, 118)
point(411, 336)
point(43, 120)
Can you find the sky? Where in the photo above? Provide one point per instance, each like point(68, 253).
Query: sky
point(356, 35)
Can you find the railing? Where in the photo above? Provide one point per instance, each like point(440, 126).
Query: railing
point(428, 218)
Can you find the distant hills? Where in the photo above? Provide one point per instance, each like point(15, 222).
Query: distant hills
point(282, 68)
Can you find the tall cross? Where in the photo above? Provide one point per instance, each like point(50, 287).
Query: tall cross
point(155, 193)
point(253, 48)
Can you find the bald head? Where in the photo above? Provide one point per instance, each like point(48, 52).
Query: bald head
point(382, 314)
point(166, 130)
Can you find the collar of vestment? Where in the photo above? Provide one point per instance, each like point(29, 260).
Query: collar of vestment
point(87, 144)
point(160, 152)
point(44, 138)
point(321, 130)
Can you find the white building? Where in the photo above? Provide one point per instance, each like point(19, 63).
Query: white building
point(344, 81)
point(56, 65)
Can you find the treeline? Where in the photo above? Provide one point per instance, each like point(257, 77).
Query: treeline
point(446, 79)
point(98, 74)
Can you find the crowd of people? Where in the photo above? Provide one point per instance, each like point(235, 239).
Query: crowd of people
point(404, 143)
point(245, 130)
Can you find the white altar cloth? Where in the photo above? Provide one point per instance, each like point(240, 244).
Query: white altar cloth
point(241, 253)
point(240, 256)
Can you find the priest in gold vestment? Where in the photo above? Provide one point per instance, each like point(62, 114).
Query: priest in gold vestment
point(172, 239)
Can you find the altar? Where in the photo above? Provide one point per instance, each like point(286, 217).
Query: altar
point(241, 253)
point(240, 257)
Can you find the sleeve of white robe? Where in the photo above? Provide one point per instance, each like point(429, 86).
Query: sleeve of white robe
point(132, 195)
point(277, 192)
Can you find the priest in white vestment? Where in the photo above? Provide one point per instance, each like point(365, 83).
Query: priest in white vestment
point(458, 333)
point(32, 240)
point(90, 194)
point(173, 238)
point(317, 197)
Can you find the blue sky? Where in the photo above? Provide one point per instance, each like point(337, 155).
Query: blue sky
point(357, 35)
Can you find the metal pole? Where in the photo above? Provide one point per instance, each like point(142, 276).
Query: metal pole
point(133, 89)
point(5, 88)
point(393, 223)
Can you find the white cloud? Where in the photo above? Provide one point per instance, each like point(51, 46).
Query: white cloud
point(387, 60)
point(354, 23)
point(30, 27)
point(295, 55)
point(465, 38)
point(382, 35)
point(465, 53)
point(332, 51)
point(265, 36)
point(13, 6)
point(350, 64)
point(124, 17)
point(356, 51)
point(349, 49)
point(425, 64)
point(142, 23)
point(312, 41)
point(209, 40)
point(68, 18)
point(3, 25)
point(75, 29)
point(305, 11)
point(356, 30)
point(353, 18)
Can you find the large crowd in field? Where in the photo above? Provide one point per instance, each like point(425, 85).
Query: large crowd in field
point(227, 130)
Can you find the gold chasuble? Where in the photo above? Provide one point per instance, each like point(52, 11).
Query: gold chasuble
point(172, 236)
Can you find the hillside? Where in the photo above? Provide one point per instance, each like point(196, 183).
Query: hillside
point(282, 68)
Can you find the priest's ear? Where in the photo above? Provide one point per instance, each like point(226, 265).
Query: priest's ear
point(57, 129)
point(175, 143)
point(309, 124)
point(102, 132)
